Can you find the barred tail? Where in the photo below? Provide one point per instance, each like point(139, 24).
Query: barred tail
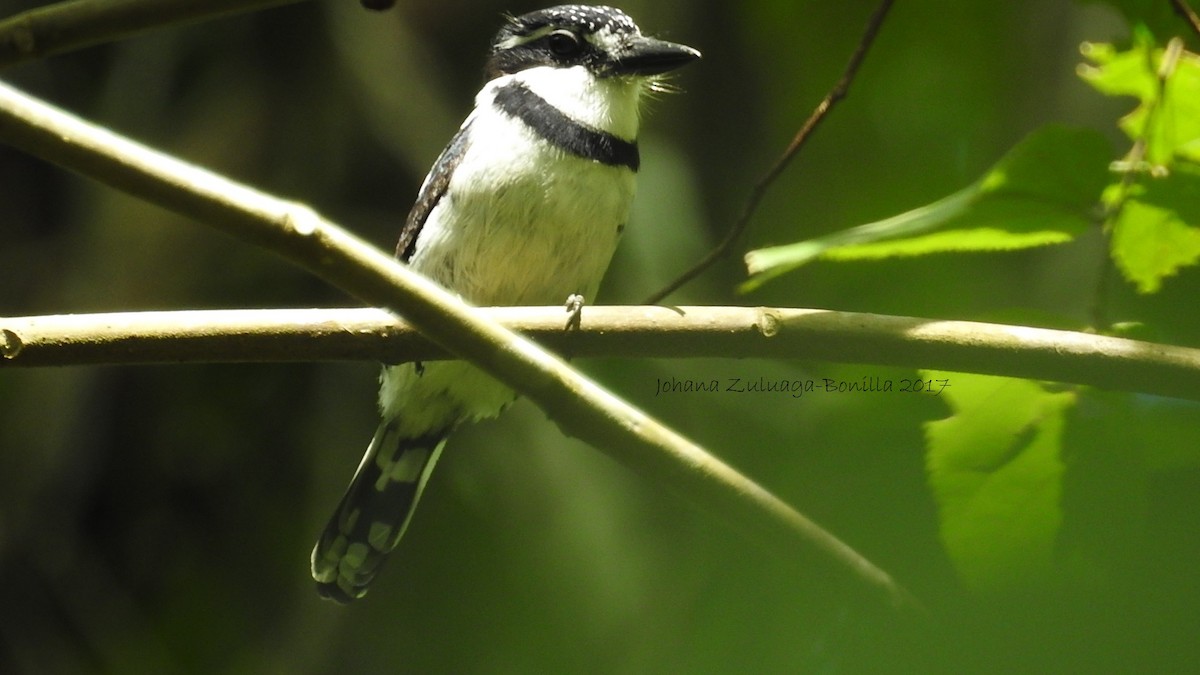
point(374, 512)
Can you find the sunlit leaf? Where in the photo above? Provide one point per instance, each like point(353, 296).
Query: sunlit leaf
point(1044, 191)
point(1157, 230)
point(1156, 208)
point(1171, 107)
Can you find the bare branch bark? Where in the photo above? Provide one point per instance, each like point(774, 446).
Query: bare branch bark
point(580, 407)
point(288, 335)
point(64, 26)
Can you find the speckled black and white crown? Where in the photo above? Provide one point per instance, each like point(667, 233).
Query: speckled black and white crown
point(562, 36)
point(584, 19)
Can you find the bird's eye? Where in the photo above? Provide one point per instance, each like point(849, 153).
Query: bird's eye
point(564, 43)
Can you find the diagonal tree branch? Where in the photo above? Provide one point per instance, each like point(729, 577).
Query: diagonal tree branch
point(284, 335)
point(64, 26)
point(579, 406)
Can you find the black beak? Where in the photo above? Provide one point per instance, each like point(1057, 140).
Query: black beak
point(647, 56)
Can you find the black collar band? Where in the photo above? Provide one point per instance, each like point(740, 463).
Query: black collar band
point(551, 124)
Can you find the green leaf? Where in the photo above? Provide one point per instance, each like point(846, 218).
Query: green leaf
point(1168, 112)
point(1127, 73)
point(1155, 212)
point(996, 473)
point(1155, 233)
point(1044, 191)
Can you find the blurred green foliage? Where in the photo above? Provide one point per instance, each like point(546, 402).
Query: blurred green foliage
point(160, 519)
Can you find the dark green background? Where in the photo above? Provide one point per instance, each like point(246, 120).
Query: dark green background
point(159, 519)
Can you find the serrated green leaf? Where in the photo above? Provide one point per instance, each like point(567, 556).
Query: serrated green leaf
point(766, 263)
point(1171, 108)
point(1120, 73)
point(1155, 232)
point(1044, 191)
point(1156, 213)
point(978, 239)
point(996, 473)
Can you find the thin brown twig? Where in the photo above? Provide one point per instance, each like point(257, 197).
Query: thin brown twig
point(1183, 10)
point(756, 195)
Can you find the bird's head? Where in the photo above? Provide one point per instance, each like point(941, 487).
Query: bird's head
point(603, 40)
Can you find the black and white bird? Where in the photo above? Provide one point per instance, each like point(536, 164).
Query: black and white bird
point(524, 207)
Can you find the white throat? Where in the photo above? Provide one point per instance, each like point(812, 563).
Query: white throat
point(608, 104)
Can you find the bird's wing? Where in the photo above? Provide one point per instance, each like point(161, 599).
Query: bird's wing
point(431, 192)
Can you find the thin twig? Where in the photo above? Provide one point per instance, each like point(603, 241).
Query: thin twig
point(363, 334)
point(756, 195)
point(64, 26)
point(580, 407)
point(1183, 10)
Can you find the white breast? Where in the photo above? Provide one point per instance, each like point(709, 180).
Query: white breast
point(524, 222)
